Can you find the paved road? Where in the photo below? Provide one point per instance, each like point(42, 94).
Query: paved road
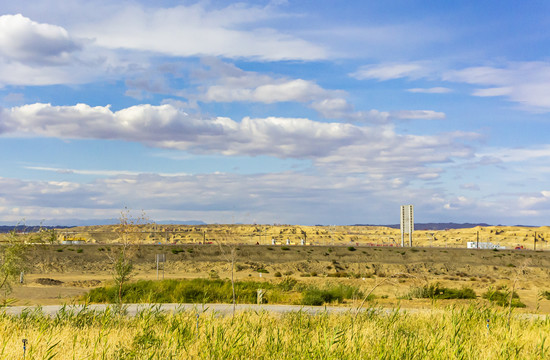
point(223, 309)
point(226, 309)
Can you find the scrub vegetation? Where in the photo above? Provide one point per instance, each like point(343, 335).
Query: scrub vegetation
point(287, 291)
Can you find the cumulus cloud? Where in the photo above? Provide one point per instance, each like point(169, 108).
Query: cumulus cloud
point(24, 40)
point(227, 83)
point(37, 54)
point(224, 82)
point(286, 197)
point(389, 154)
point(331, 145)
point(535, 203)
point(279, 91)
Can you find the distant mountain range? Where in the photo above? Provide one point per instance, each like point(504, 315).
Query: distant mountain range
point(29, 229)
point(34, 225)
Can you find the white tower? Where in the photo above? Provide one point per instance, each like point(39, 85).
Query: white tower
point(407, 223)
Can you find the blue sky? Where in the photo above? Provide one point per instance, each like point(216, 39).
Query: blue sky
point(297, 112)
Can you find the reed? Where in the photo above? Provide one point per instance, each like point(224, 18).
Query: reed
point(453, 333)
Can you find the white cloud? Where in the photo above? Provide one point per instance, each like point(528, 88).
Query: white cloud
point(535, 203)
point(523, 155)
point(95, 172)
point(389, 71)
point(37, 54)
point(233, 84)
point(286, 197)
point(418, 115)
point(527, 83)
point(279, 91)
point(197, 30)
point(433, 90)
point(346, 147)
point(223, 82)
point(24, 40)
point(470, 186)
point(338, 108)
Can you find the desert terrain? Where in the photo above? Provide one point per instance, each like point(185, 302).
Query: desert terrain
point(366, 257)
point(507, 236)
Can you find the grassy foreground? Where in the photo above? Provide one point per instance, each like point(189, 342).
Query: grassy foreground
point(454, 333)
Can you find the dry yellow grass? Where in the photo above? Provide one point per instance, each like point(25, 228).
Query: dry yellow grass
point(451, 333)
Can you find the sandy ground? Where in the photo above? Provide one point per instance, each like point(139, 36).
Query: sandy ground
point(394, 271)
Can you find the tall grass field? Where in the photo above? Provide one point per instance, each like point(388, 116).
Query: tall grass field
point(469, 332)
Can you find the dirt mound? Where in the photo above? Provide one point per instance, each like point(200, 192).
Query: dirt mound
point(48, 281)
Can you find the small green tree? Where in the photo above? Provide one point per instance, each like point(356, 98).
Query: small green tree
point(13, 261)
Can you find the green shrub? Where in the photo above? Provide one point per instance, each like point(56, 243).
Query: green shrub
point(287, 284)
point(278, 274)
point(285, 248)
point(436, 291)
point(545, 294)
point(502, 298)
point(339, 274)
point(179, 291)
point(80, 251)
point(351, 248)
point(316, 297)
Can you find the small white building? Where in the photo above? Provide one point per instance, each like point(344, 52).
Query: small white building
point(484, 245)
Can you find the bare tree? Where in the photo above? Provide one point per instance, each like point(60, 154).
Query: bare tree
point(129, 237)
point(229, 253)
